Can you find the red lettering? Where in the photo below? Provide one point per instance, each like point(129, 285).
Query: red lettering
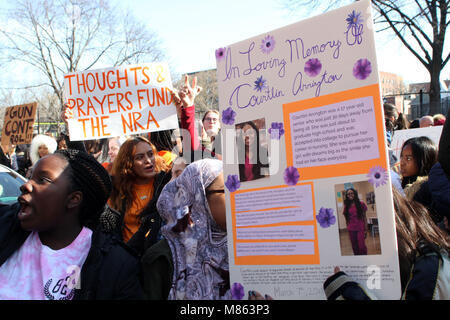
point(107, 80)
point(145, 75)
point(68, 77)
point(125, 77)
point(135, 74)
point(90, 106)
point(81, 84)
point(151, 119)
point(136, 123)
point(126, 124)
point(87, 81)
point(129, 102)
point(80, 103)
point(160, 97)
point(102, 87)
point(104, 126)
point(84, 126)
point(71, 103)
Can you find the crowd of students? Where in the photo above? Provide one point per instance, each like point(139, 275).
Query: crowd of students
point(143, 217)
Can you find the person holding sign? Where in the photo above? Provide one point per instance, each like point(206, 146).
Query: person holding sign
point(139, 175)
point(355, 217)
point(54, 246)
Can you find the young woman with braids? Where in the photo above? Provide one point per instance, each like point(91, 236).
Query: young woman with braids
point(139, 175)
point(52, 244)
point(355, 217)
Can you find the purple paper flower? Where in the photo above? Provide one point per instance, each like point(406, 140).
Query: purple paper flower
point(313, 67)
point(267, 44)
point(232, 183)
point(291, 176)
point(378, 176)
point(220, 53)
point(354, 19)
point(260, 84)
point(228, 116)
point(362, 69)
point(276, 130)
point(326, 217)
point(237, 291)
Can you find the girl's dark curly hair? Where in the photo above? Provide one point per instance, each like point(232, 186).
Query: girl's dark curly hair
point(88, 176)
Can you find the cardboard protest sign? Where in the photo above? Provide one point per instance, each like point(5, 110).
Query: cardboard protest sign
point(120, 101)
point(303, 136)
point(18, 124)
point(400, 136)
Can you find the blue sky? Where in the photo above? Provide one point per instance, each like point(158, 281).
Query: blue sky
point(191, 31)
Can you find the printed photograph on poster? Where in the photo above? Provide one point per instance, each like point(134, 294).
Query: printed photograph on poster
point(251, 142)
point(357, 219)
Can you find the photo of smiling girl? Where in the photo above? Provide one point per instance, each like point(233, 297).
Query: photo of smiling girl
point(252, 150)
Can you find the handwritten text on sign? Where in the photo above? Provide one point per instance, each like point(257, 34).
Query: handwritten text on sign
point(18, 124)
point(120, 101)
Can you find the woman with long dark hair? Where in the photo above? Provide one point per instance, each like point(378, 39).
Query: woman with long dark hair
point(355, 217)
point(138, 177)
point(252, 156)
point(417, 157)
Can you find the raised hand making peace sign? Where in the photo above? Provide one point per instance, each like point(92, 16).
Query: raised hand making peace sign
point(185, 96)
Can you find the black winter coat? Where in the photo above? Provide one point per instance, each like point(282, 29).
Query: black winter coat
point(110, 272)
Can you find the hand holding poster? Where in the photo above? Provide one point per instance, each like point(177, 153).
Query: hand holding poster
point(120, 101)
point(303, 146)
point(18, 124)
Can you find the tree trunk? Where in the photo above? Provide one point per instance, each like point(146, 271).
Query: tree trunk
point(435, 88)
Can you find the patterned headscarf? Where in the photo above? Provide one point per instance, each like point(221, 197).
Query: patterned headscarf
point(198, 245)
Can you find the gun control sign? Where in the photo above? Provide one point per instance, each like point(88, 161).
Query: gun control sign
point(18, 124)
point(120, 101)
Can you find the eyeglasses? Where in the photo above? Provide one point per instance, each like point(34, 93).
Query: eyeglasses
point(212, 119)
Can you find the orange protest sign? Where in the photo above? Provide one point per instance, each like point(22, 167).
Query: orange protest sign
point(18, 124)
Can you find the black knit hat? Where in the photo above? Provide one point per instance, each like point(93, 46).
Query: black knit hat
point(88, 176)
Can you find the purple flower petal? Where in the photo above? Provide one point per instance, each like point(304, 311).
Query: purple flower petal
point(232, 183)
point(260, 84)
point(228, 116)
point(237, 291)
point(267, 44)
point(362, 69)
point(313, 67)
point(354, 19)
point(291, 176)
point(326, 217)
point(276, 130)
point(378, 176)
point(220, 53)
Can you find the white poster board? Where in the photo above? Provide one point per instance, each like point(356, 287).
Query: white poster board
point(400, 136)
point(120, 101)
point(306, 100)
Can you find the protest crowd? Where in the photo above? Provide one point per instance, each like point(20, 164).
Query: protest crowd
point(144, 216)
